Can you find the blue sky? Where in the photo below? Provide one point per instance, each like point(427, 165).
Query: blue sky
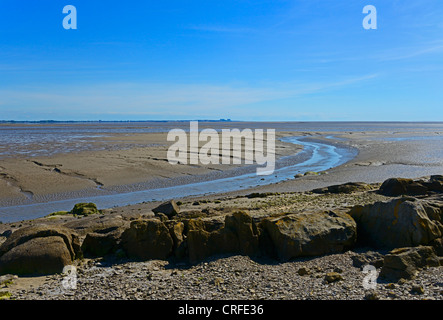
point(305, 60)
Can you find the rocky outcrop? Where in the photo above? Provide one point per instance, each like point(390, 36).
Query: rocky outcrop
point(395, 187)
point(402, 222)
point(310, 234)
point(147, 239)
point(39, 250)
point(344, 188)
point(404, 263)
point(237, 235)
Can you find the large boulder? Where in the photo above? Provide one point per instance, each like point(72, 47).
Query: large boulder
point(102, 233)
point(96, 223)
point(85, 209)
point(39, 249)
point(310, 233)
point(401, 222)
point(404, 263)
point(38, 256)
point(395, 187)
point(236, 235)
point(169, 208)
point(349, 187)
point(147, 239)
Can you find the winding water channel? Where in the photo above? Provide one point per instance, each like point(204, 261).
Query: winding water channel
point(317, 155)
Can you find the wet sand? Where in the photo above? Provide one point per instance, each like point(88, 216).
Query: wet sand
point(137, 161)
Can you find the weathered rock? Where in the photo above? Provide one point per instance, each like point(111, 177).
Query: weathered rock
point(169, 208)
point(435, 183)
point(395, 187)
point(25, 234)
point(404, 263)
point(403, 222)
point(238, 235)
point(176, 229)
point(310, 234)
point(437, 244)
point(243, 230)
point(344, 188)
point(37, 256)
point(100, 244)
point(85, 209)
point(147, 239)
point(39, 249)
point(368, 258)
point(99, 224)
point(333, 277)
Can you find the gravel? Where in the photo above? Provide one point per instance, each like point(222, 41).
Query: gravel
point(229, 277)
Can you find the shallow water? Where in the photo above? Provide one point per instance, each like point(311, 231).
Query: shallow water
point(35, 140)
point(318, 156)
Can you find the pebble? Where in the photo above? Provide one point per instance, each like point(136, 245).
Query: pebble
point(233, 278)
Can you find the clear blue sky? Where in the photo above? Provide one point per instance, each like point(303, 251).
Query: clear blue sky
point(208, 59)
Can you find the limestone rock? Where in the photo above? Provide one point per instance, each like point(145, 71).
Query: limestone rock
point(37, 256)
point(237, 235)
point(402, 222)
point(395, 187)
point(169, 208)
point(25, 234)
point(344, 188)
point(310, 234)
point(368, 258)
point(403, 263)
point(147, 239)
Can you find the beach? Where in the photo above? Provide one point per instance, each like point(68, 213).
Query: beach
point(121, 158)
point(125, 163)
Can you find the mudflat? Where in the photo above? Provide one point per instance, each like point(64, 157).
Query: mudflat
point(118, 158)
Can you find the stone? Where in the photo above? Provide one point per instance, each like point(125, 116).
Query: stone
point(395, 187)
point(371, 295)
point(344, 188)
point(417, 289)
point(401, 222)
point(437, 244)
point(303, 271)
point(368, 258)
point(25, 234)
point(236, 235)
point(310, 233)
point(99, 224)
point(100, 244)
point(169, 208)
point(404, 263)
point(84, 209)
point(37, 256)
point(39, 249)
point(333, 277)
point(176, 230)
point(147, 239)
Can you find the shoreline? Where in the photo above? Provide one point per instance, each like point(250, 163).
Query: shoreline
point(233, 178)
point(377, 159)
point(224, 276)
